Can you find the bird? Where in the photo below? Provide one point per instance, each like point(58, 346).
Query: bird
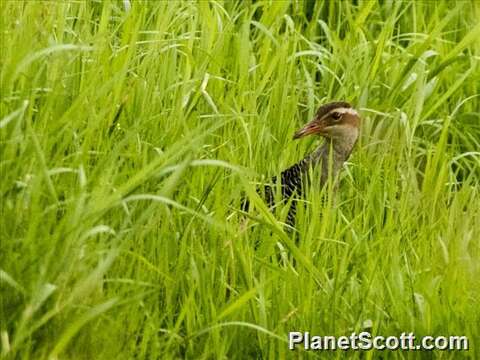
point(339, 123)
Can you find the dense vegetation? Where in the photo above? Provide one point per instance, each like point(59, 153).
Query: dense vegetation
point(128, 137)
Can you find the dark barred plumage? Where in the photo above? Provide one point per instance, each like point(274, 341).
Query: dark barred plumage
point(338, 123)
point(292, 186)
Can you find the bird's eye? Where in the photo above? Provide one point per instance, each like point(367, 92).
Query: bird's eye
point(336, 115)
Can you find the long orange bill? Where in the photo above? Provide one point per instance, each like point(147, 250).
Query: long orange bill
point(313, 127)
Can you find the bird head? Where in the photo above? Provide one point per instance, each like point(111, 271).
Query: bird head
point(336, 120)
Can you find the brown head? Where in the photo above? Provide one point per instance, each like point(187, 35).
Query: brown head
point(336, 120)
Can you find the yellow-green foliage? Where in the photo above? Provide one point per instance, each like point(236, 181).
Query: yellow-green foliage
point(131, 129)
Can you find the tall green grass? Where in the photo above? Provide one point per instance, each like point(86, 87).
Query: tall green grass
point(129, 137)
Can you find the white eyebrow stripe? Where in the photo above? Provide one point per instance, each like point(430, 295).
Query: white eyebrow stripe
point(341, 110)
point(349, 111)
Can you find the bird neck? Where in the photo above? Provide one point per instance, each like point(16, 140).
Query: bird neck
point(343, 145)
point(336, 149)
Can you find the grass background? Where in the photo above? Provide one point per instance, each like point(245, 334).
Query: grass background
point(128, 137)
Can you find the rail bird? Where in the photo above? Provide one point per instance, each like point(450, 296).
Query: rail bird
point(339, 124)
